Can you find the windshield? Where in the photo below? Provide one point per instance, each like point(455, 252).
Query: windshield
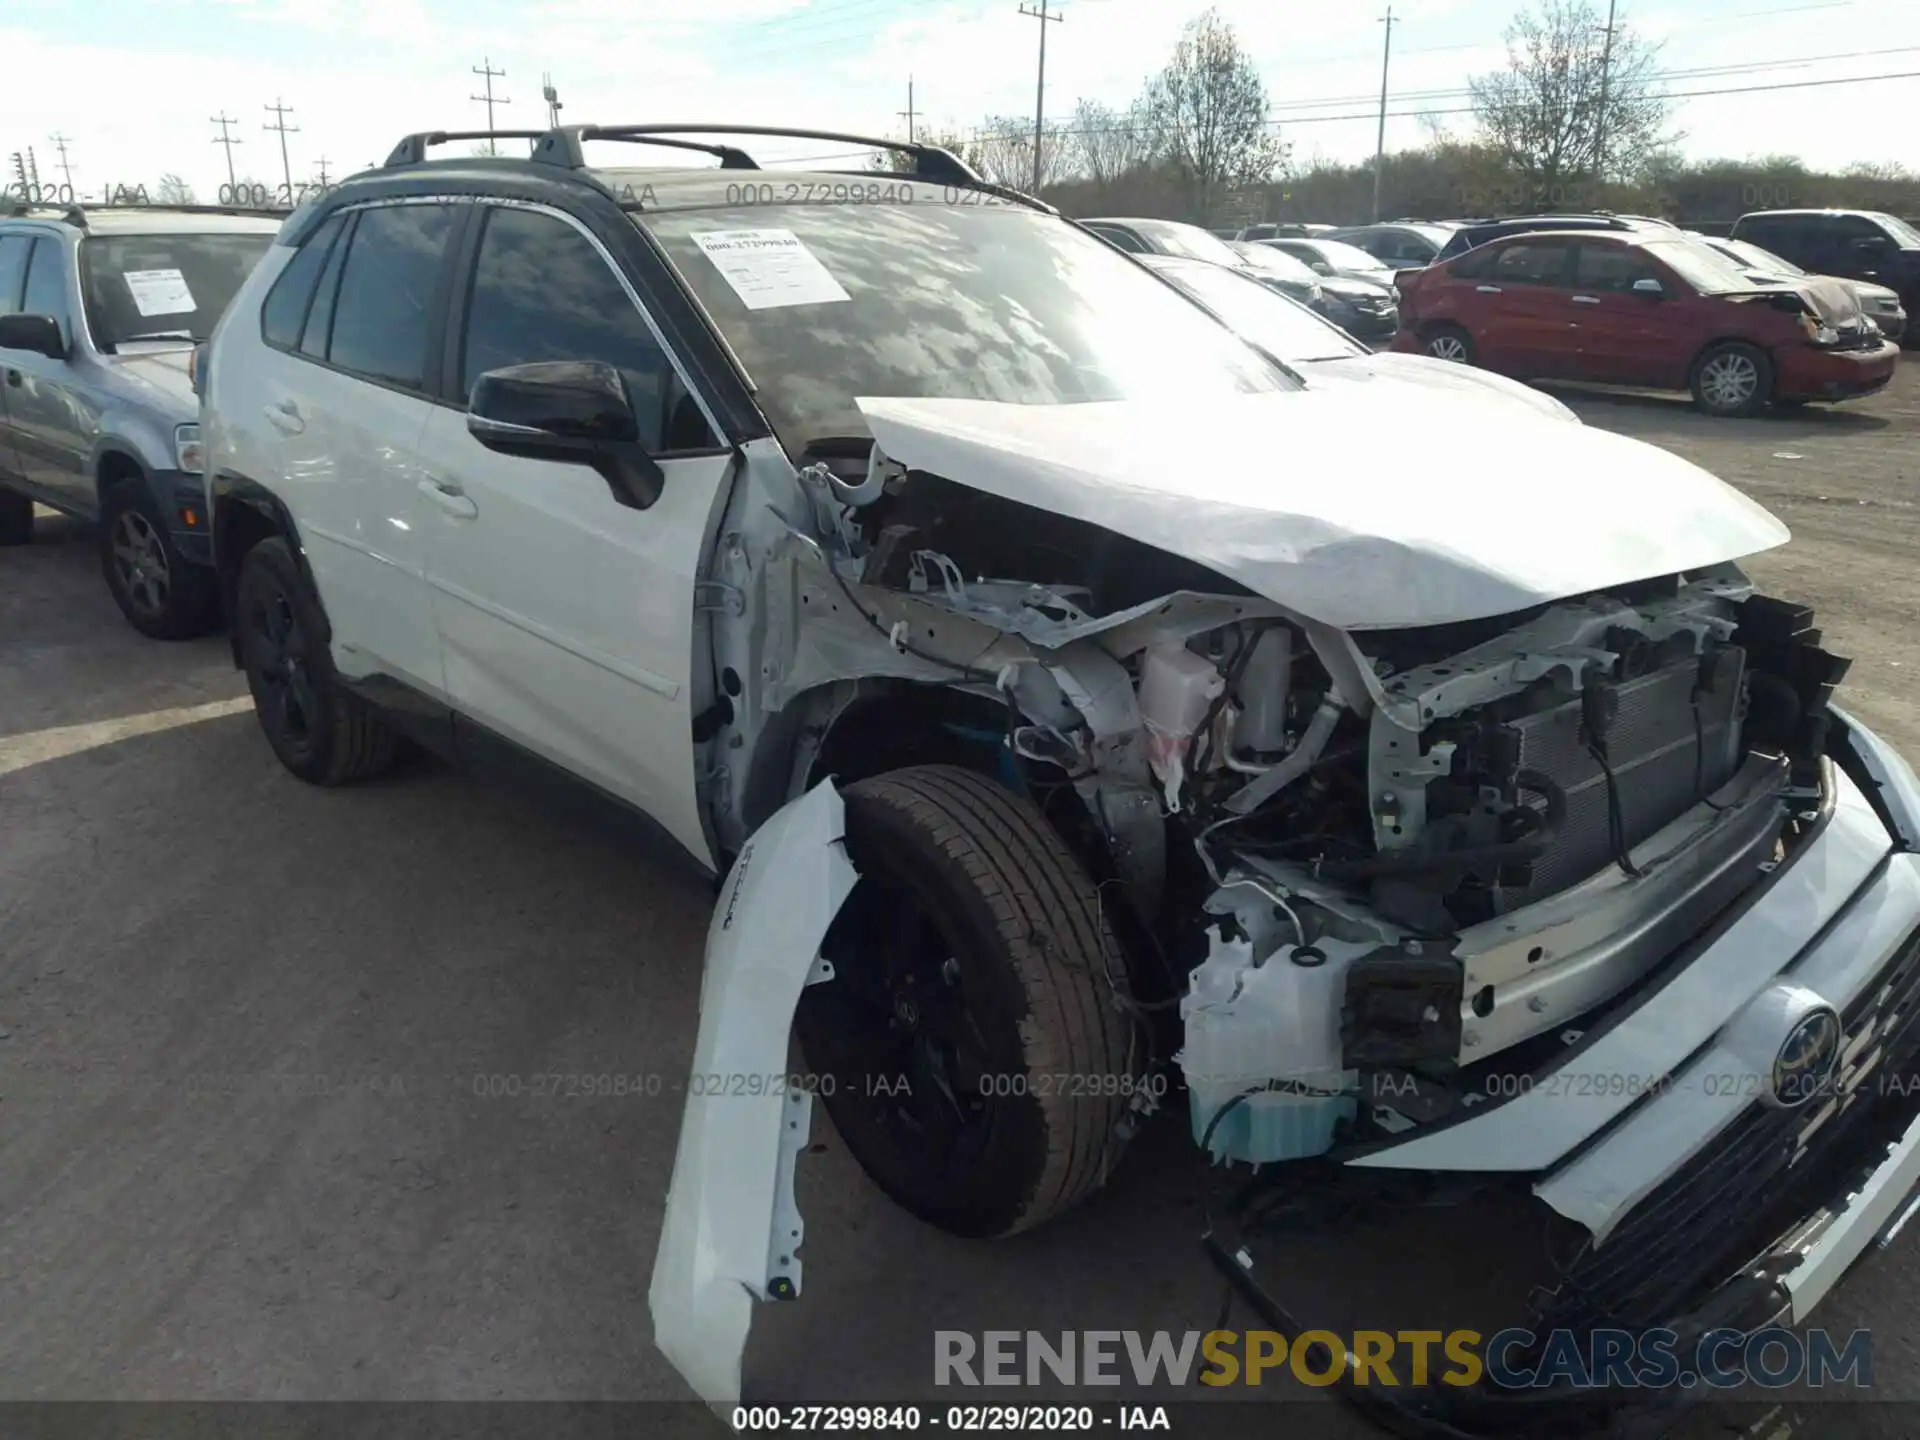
point(1170, 237)
point(1342, 256)
point(1754, 258)
point(1290, 333)
point(1274, 262)
point(935, 300)
point(1903, 234)
point(163, 286)
point(1701, 266)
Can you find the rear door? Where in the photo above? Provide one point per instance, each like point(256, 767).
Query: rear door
point(349, 407)
point(14, 249)
point(566, 617)
point(1621, 336)
point(1525, 315)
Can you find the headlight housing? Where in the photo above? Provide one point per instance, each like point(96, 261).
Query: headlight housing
point(188, 453)
point(1818, 331)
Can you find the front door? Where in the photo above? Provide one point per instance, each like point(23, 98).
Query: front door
point(52, 420)
point(566, 617)
point(1622, 336)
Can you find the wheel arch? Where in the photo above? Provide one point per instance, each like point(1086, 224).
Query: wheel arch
point(243, 512)
point(114, 460)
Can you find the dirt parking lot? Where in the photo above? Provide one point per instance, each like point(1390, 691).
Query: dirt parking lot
point(256, 1040)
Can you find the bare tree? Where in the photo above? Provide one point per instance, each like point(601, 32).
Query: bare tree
point(1002, 150)
point(1891, 170)
point(1209, 111)
point(1107, 143)
point(172, 190)
point(1571, 105)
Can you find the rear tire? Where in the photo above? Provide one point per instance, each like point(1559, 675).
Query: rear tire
point(971, 1048)
point(1448, 342)
point(1732, 379)
point(16, 519)
point(319, 730)
point(163, 596)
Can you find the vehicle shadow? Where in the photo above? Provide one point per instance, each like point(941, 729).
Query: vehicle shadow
point(1658, 409)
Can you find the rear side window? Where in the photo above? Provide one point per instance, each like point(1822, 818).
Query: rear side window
point(541, 291)
point(1779, 234)
point(381, 315)
point(1122, 238)
point(1530, 263)
point(13, 271)
point(284, 315)
point(1473, 265)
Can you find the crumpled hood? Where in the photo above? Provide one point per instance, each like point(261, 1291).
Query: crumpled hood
point(164, 370)
point(1832, 300)
point(1342, 506)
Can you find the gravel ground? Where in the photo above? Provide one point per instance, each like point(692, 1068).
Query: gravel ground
point(250, 1031)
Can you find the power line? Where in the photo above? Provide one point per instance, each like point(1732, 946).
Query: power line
point(280, 113)
point(485, 68)
point(1040, 90)
point(223, 120)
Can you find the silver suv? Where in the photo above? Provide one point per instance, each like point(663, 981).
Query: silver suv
point(99, 314)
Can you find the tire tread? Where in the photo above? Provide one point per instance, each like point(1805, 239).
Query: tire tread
point(1049, 917)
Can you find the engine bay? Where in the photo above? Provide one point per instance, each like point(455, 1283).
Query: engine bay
point(1376, 866)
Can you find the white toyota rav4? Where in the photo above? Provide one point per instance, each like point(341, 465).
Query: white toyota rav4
point(1091, 717)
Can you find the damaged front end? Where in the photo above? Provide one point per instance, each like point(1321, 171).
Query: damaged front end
point(1380, 877)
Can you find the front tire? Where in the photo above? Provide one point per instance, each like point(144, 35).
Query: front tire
point(163, 595)
point(1449, 342)
point(319, 730)
point(972, 1047)
point(1732, 379)
point(16, 519)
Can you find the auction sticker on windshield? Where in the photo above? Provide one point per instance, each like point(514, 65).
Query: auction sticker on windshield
point(769, 269)
point(160, 292)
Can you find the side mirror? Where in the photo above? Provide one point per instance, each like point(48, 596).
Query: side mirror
point(1649, 287)
point(1320, 267)
point(568, 410)
point(37, 333)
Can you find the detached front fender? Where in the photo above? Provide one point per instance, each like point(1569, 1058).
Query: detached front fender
point(733, 1230)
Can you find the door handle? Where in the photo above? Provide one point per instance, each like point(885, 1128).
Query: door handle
point(1586, 300)
point(13, 378)
point(450, 498)
point(1489, 289)
point(285, 416)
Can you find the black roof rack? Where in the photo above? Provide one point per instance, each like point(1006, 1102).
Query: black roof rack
point(562, 146)
point(76, 213)
point(413, 148)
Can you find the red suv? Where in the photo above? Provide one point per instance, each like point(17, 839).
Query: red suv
point(1648, 309)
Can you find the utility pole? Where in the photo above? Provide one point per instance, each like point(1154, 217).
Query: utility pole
point(321, 166)
point(1380, 136)
point(909, 112)
point(60, 143)
point(280, 113)
point(1040, 90)
point(485, 68)
point(223, 120)
point(552, 97)
point(1600, 123)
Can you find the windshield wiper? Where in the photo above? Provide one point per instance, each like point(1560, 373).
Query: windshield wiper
point(162, 335)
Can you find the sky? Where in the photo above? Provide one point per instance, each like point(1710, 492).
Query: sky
point(134, 85)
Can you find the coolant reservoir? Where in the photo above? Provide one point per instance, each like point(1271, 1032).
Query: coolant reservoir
point(1261, 694)
point(1176, 689)
point(1269, 1031)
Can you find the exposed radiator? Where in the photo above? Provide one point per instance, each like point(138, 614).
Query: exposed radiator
point(1663, 755)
